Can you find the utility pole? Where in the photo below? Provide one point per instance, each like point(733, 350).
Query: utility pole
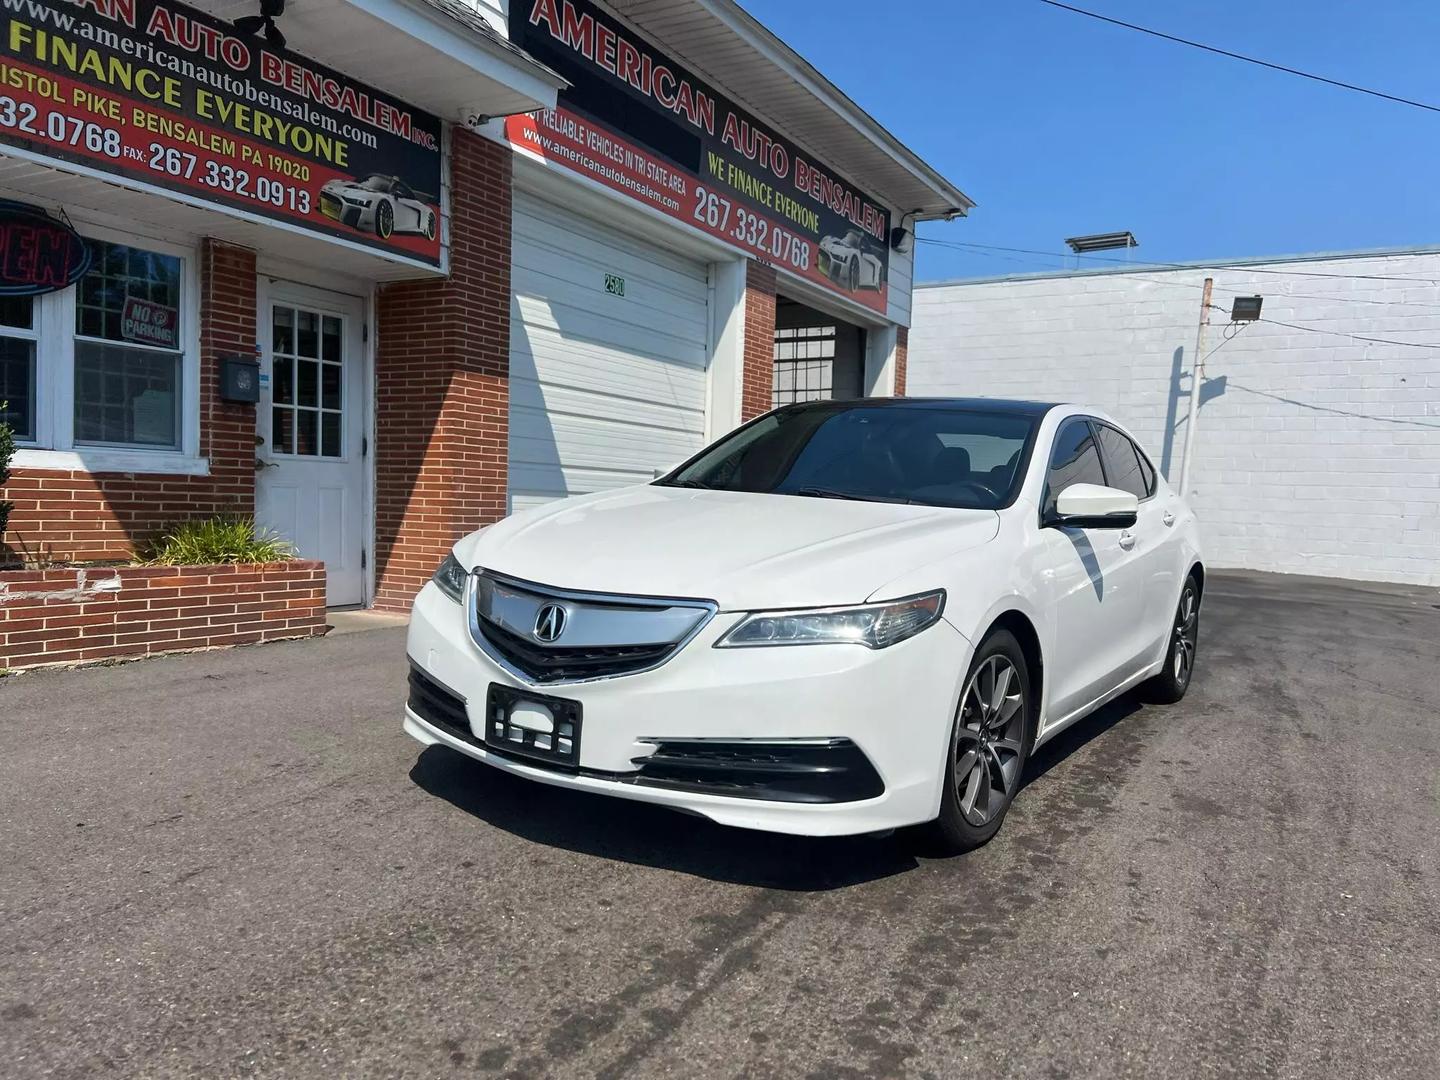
point(1196, 376)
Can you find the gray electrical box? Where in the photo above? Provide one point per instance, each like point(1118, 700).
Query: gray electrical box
point(239, 378)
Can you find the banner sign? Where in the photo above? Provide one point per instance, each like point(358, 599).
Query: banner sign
point(38, 254)
point(154, 91)
point(640, 123)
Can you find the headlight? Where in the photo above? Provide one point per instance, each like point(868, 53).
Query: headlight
point(876, 626)
point(451, 578)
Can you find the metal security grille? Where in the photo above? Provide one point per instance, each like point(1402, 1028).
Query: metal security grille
point(804, 364)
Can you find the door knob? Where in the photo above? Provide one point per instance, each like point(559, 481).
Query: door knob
point(265, 465)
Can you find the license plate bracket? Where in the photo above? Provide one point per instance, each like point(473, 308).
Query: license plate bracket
point(560, 747)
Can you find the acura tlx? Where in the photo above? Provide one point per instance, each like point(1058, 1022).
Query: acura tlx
point(843, 617)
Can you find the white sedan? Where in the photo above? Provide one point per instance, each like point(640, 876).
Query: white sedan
point(844, 617)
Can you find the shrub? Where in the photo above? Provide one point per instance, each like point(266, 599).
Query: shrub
point(7, 451)
point(216, 540)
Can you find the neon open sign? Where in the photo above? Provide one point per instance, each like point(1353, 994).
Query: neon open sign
point(37, 253)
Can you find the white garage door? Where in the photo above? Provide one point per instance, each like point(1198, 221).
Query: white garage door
point(604, 388)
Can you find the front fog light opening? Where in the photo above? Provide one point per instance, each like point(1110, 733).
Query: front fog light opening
point(875, 626)
point(450, 578)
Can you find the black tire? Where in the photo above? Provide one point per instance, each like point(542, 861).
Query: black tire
point(384, 220)
point(430, 227)
point(961, 828)
point(854, 275)
point(1170, 684)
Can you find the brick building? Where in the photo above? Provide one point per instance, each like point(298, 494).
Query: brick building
point(544, 247)
point(1318, 444)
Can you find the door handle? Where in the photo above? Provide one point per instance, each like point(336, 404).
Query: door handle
point(265, 464)
point(1167, 519)
point(1127, 540)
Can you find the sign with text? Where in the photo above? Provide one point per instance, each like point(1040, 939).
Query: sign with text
point(155, 91)
point(149, 323)
point(638, 122)
point(37, 253)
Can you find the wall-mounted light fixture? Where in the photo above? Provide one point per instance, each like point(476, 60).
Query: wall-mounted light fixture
point(1246, 308)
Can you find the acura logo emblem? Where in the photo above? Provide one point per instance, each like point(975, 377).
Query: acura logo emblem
point(550, 623)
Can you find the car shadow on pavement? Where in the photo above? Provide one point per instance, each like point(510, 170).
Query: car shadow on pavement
point(1078, 735)
point(649, 835)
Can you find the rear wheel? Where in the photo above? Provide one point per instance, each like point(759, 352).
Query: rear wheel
point(854, 276)
point(1170, 684)
point(990, 742)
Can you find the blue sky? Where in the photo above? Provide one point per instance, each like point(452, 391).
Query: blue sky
point(1058, 125)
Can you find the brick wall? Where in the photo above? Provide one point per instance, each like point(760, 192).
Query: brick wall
point(73, 616)
point(442, 374)
point(757, 378)
point(1317, 452)
point(902, 358)
point(91, 516)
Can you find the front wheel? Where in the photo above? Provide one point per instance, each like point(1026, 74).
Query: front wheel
point(384, 220)
point(1170, 684)
point(990, 742)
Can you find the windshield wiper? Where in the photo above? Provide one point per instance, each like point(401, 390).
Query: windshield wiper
point(688, 484)
point(832, 493)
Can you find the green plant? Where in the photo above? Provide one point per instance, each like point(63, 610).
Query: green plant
point(216, 540)
point(7, 451)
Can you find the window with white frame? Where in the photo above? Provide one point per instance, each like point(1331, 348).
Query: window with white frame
point(101, 366)
point(17, 366)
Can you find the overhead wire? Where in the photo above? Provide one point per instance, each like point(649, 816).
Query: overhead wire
point(1356, 88)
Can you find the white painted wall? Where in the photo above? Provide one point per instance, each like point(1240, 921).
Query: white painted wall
point(901, 278)
point(1317, 453)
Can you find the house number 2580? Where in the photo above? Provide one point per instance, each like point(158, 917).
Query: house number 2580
point(614, 284)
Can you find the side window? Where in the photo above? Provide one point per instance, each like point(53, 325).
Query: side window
point(1147, 471)
point(1074, 460)
point(1122, 463)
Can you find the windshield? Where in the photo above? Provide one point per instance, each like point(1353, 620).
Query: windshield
point(377, 183)
point(932, 456)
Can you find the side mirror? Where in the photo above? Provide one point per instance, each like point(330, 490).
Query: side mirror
point(1090, 506)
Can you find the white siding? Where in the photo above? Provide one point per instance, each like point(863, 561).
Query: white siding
point(604, 389)
point(1317, 453)
point(901, 277)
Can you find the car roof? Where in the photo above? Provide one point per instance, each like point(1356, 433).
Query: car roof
point(971, 404)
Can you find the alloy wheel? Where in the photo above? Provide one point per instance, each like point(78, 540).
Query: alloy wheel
point(989, 738)
point(1185, 635)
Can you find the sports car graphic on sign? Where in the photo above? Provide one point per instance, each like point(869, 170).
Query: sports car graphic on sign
point(383, 205)
point(848, 261)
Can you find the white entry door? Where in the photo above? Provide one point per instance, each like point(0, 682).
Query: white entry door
point(310, 482)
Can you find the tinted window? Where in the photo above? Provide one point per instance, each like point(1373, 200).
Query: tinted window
point(1075, 460)
point(1148, 471)
point(1122, 463)
point(868, 452)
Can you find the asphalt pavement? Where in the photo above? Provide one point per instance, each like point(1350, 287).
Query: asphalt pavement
point(236, 864)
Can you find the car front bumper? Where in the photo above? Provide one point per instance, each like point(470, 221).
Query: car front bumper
point(879, 717)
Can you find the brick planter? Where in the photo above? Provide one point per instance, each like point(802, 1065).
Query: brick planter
point(99, 613)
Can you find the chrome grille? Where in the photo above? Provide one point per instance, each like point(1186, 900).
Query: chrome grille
point(602, 635)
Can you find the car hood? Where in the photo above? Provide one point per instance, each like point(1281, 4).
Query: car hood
point(742, 550)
